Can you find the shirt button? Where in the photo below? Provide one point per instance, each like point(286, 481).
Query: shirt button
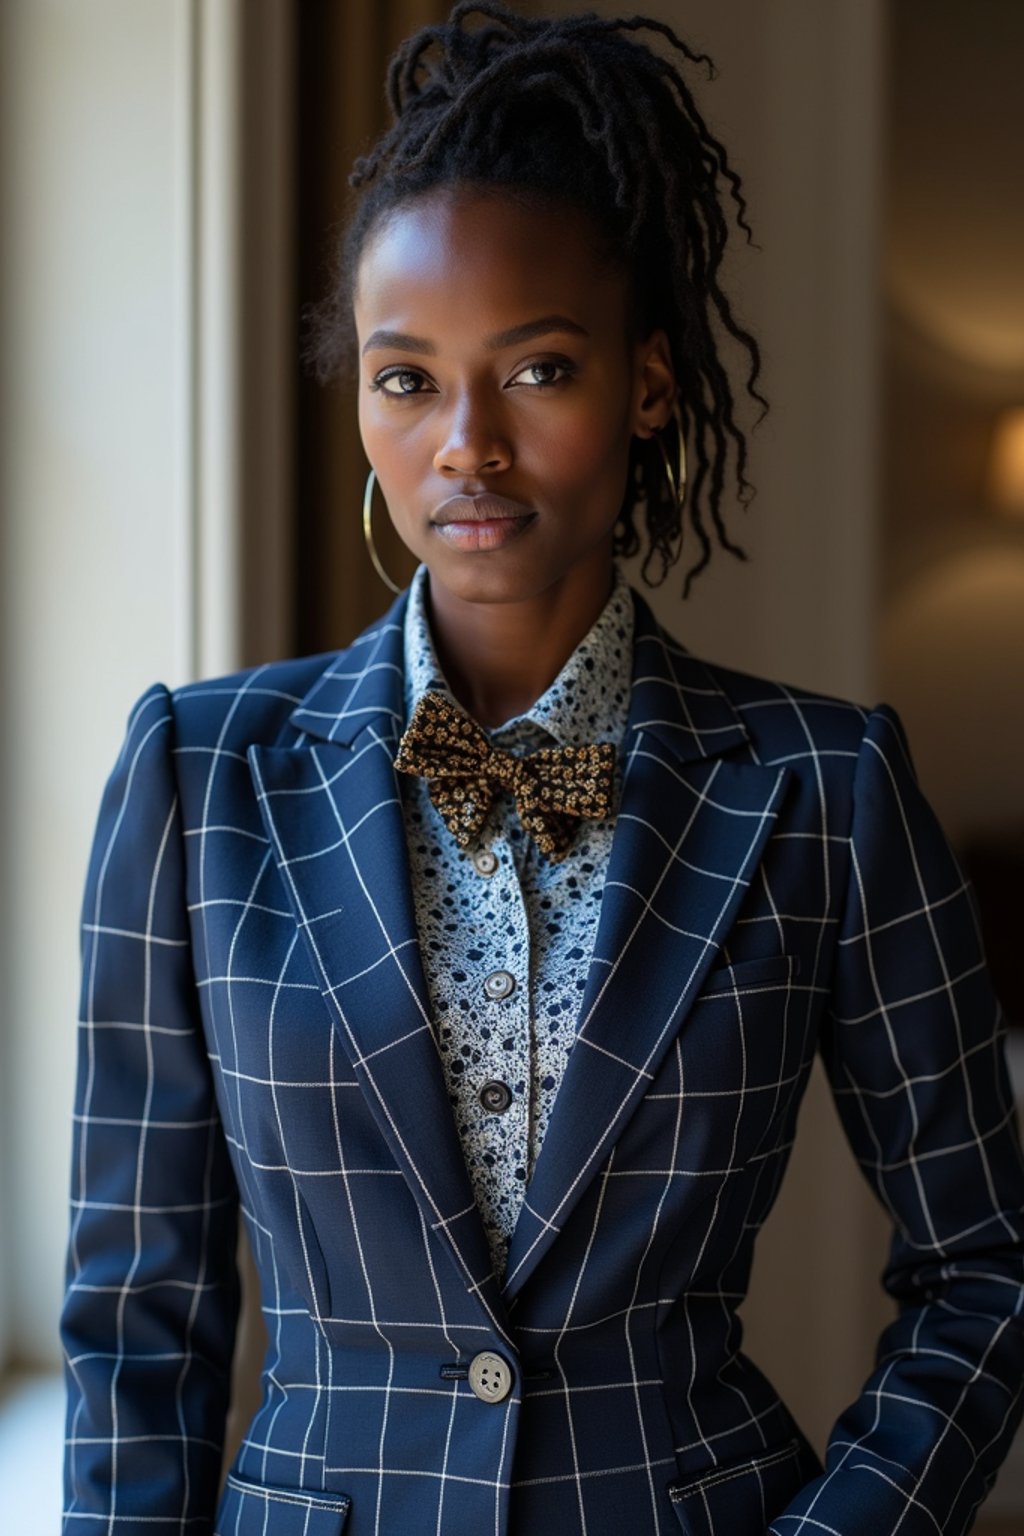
point(485, 862)
point(495, 1096)
point(499, 984)
point(490, 1377)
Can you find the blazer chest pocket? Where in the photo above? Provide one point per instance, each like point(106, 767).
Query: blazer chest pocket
point(740, 1496)
point(256, 1509)
point(768, 971)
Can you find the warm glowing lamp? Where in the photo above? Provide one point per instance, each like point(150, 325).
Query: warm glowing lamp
point(1006, 465)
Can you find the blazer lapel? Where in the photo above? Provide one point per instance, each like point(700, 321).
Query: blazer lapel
point(690, 831)
point(332, 809)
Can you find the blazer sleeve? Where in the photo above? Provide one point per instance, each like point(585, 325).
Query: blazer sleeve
point(913, 1045)
point(151, 1300)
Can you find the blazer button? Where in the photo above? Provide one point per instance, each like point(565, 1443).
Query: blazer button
point(495, 1096)
point(485, 862)
point(500, 984)
point(490, 1377)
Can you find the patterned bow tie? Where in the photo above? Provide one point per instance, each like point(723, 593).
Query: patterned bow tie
point(553, 787)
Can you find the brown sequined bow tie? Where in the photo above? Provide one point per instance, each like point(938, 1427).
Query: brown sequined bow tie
point(553, 787)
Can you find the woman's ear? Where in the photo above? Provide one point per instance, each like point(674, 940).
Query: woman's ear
point(654, 384)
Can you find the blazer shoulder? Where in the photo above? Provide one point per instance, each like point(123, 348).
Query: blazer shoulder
point(787, 723)
point(777, 721)
point(253, 704)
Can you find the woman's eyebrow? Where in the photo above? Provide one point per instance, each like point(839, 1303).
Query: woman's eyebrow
point(528, 331)
point(399, 341)
point(532, 329)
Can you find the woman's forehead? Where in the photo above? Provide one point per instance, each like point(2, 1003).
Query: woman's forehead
point(455, 256)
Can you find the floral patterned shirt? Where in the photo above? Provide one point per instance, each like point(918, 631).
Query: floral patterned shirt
point(506, 935)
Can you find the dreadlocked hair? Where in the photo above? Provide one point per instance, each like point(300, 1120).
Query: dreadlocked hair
point(573, 111)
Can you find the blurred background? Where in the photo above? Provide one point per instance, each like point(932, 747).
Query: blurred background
point(177, 500)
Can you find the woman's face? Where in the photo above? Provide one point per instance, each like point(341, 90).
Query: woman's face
point(499, 390)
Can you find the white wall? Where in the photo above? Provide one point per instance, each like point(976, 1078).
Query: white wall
point(96, 553)
point(147, 333)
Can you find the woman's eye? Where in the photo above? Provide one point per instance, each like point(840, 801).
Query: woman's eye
point(400, 381)
point(541, 373)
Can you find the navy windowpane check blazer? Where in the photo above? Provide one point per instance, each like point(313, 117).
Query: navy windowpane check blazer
point(256, 1035)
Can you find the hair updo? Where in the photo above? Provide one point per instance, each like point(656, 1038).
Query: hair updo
point(573, 111)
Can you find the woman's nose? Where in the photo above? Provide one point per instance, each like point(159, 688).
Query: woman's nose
point(473, 442)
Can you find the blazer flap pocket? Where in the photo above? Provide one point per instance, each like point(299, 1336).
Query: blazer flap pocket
point(769, 970)
point(253, 1509)
point(740, 1495)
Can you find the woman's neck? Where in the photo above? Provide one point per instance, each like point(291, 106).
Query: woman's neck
point(498, 658)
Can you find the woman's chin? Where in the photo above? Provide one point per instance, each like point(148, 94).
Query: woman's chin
point(485, 575)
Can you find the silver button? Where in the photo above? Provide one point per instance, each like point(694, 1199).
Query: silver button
point(500, 984)
point(490, 1377)
point(485, 862)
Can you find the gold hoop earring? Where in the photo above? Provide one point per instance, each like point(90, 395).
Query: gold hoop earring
point(676, 477)
point(371, 481)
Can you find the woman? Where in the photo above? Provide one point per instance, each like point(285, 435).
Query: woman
point(484, 962)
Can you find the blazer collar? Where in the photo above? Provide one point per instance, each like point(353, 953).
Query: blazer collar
point(361, 686)
point(674, 695)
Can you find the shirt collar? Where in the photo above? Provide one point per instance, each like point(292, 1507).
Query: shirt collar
point(587, 701)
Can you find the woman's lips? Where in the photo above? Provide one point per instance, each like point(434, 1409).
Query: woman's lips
point(481, 522)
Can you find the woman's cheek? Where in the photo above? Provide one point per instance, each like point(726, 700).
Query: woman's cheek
point(582, 454)
point(393, 451)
